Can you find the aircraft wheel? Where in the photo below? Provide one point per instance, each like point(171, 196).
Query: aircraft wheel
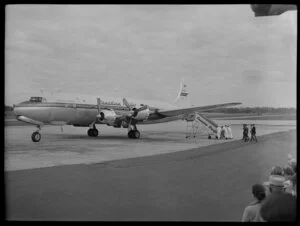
point(94, 132)
point(136, 134)
point(209, 137)
point(89, 132)
point(36, 137)
point(130, 134)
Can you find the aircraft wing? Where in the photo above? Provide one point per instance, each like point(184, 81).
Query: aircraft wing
point(271, 9)
point(170, 113)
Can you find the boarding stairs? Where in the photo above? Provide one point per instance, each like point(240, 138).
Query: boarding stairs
point(199, 124)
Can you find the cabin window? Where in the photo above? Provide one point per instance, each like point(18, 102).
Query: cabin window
point(37, 100)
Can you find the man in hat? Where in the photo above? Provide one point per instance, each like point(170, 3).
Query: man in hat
point(275, 184)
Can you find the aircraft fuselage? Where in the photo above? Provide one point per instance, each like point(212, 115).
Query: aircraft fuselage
point(67, 113)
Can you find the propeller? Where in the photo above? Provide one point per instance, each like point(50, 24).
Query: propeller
point(135, 110)
point(101, 117)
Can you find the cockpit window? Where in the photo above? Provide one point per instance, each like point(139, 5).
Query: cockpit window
point(37, 99)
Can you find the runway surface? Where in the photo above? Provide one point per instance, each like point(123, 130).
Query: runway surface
point(211, 183)
point(73, 146)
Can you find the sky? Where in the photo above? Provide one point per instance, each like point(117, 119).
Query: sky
point(223, 52)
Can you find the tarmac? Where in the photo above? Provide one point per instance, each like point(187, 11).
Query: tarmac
point(211, 182)
point(73, 146)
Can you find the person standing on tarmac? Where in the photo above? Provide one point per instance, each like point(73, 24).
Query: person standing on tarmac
point(218, 132)
point(226, 132)
point(222, 133)
point(253, 133)
point(229, 132)
point(245, 133)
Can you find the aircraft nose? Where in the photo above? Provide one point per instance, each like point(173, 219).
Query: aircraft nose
point(15, 110)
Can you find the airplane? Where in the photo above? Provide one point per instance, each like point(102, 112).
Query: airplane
point(39, 112)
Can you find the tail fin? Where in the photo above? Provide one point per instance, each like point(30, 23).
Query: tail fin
point(182, 99)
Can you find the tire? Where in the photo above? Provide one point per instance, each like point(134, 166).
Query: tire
point(209, 137)
point(130, 134)
point(136, 134)
point(36, 137)
point(94, 132)
point(89, 132)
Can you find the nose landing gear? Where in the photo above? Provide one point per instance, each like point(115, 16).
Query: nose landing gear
point(36, 136)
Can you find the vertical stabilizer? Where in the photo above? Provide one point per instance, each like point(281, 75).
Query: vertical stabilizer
point(182, 99)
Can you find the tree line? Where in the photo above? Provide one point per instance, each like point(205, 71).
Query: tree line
point(8, 108)
point(256, 110)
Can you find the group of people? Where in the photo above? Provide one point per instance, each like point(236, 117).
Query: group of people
point(224, 132)
point(275, 200)
point(246, 133)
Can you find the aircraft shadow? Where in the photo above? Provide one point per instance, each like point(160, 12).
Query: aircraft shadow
point(143, 138)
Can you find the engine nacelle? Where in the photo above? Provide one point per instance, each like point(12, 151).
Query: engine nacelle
point(142, 115)
point(107, 116)
point(125, 124)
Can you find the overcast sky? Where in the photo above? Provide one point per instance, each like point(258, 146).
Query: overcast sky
point(224, 53)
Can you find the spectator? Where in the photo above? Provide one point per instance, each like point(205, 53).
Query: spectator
point(277, 170)
point(288, 172)
point(278, 207)
point(292, 162)
point(252, 210)
point(275, 184)
point(291, 185)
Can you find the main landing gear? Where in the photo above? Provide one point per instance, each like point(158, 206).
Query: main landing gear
point(133, 133)
point(93, 132)
point(36, 136)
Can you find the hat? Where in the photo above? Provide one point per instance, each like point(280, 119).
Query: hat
point(275, 180)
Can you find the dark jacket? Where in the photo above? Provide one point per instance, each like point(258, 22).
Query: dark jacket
point(253, 130)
